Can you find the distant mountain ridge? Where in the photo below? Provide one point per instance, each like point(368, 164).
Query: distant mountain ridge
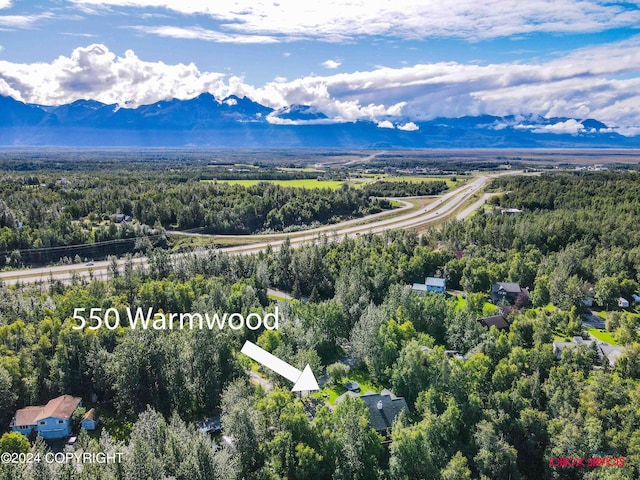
point(241, 122)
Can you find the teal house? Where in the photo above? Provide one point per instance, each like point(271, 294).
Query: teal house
point(52, 420)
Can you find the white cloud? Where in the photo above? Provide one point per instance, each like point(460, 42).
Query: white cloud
point(331, 64)
point(337, 21)
point(600, 82)
point(8, 90)
point(205, 34)
point(76, 34)
point(97, 73)
point(409, 127)
point(22, 21)
point(385, 124)
point(5, 3)
point(571, 127)
point(275, 120)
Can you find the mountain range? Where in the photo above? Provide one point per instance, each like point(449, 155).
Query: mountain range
point(241, 122)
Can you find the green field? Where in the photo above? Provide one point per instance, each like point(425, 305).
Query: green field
point(335, 184)
point(297, 183)
point(418, 178)
point(600, 335)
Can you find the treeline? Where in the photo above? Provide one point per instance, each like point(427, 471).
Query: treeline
point(248, 172)
point(44, 211)
point(383, 188)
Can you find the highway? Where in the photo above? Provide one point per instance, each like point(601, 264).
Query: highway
point(444, 207)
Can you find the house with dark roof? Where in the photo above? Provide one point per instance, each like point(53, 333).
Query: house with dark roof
point(383, 407)
point(52, 420)
point(605, 351)
point(498, 321)
point(503, 293)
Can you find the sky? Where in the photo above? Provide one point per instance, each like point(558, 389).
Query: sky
point(353, 59)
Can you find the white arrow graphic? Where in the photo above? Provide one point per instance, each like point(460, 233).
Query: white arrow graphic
point(304, 381)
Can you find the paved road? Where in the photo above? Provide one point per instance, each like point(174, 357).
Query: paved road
point(592, 320)
point(364, 160)
point(442, 208)
point(323, 229)
point(474, 206)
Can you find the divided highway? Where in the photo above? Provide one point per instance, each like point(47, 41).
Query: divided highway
point(444, 207)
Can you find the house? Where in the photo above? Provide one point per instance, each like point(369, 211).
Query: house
point(431, 284)
point(506, 292)
point(419, 288)
point(510, 211)
point(623, 302)
point(438, 285)
point(383, 407)
point(559, 347)
point(606, 352)
point(498, 321)
point(611, 353)
point(90, 420)
point(52, 420)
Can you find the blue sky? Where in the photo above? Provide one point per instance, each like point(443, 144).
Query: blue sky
point(356, 59)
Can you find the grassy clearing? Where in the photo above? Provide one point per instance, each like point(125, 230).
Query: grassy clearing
point(355, 182)
point(334, 391)
point(182, 243)
point(299, 169)
point(297, 183)
point(278, 298)
point(358, 182)
point(602, 335)
point(629, 311)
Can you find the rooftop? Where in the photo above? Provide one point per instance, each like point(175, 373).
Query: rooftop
point(383, 407)
point(498, 321)
point(90, 415)
point(60, 407)
point(435, 282)
point(509, 287)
